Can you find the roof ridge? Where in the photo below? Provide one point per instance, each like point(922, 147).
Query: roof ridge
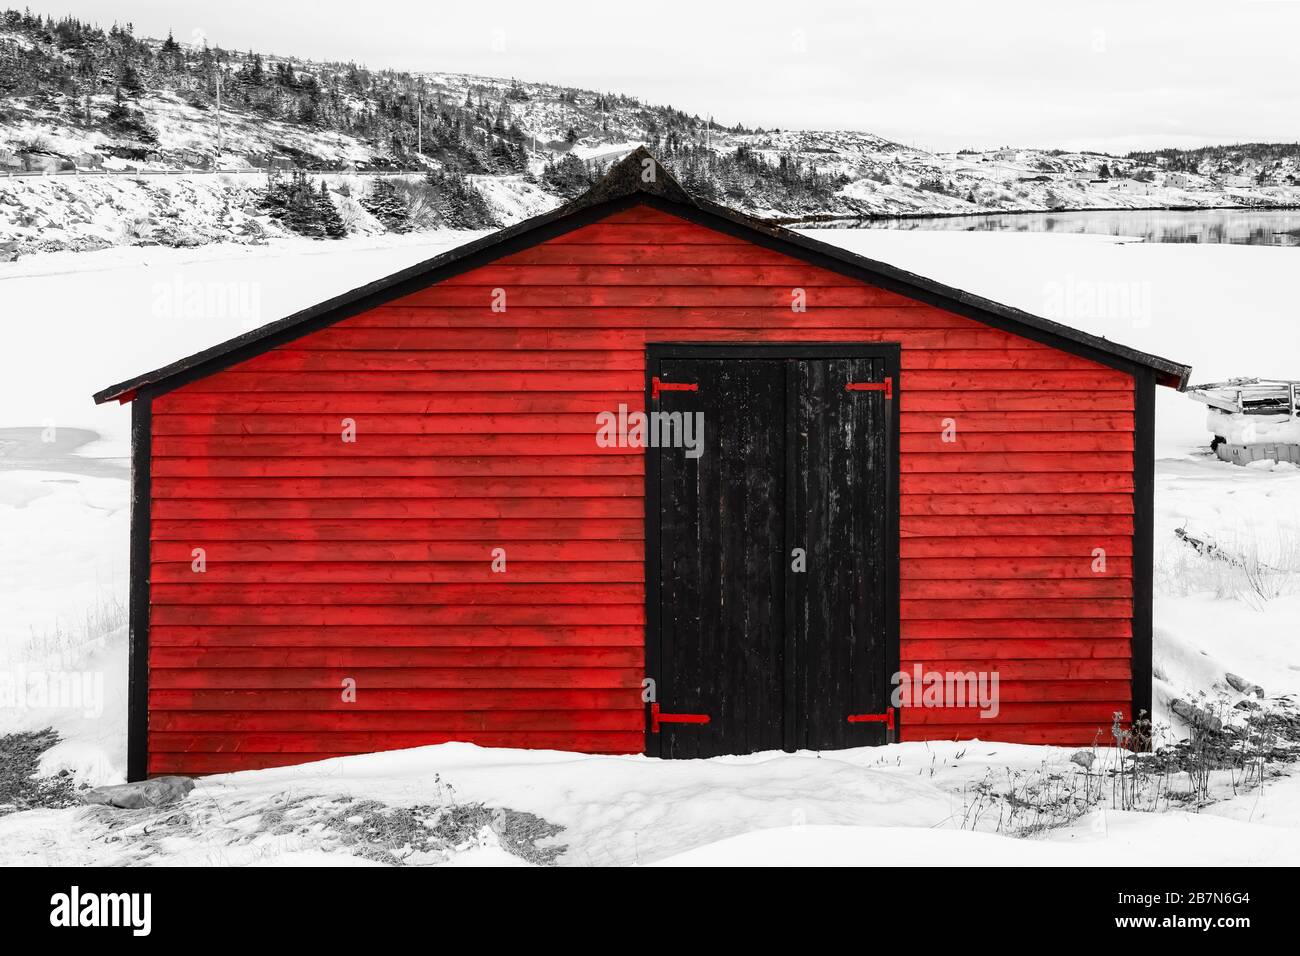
point(639, 171)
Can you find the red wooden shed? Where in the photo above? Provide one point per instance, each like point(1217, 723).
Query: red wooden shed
point(403, 516)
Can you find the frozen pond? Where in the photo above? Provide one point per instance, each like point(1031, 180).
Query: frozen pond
point(1249, 227)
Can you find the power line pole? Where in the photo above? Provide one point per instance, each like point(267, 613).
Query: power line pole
point(218, 110)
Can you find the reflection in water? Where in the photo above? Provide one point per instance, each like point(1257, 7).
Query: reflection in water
point(1275, 227)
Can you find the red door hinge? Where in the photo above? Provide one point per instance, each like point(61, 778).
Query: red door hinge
point(887, 386)
point(887, 718)
point(656, 386)
point(657, 717)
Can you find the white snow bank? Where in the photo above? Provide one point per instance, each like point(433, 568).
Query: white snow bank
point(1103, 839)
point(904, 803)
point(621, 810)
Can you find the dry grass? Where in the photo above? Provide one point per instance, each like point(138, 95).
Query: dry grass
point(1211, 765)
point(1254, 569)
point(68, 641)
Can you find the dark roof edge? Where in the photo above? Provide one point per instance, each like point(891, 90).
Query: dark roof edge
point(1175, 373)
point(637, 177)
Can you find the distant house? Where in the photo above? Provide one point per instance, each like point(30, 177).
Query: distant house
point(1007, 155)
point(1132, 186)
point(1180, 181)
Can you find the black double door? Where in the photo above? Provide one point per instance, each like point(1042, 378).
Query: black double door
point(771, 577)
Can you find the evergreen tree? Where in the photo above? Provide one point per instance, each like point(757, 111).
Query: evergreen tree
point(301, 209)
point(567, 178)
point(328, 215)
point(131, 82)
point(456, 203)
point(387, 206)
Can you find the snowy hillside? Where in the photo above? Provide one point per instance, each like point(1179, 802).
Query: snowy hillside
point(109, 139)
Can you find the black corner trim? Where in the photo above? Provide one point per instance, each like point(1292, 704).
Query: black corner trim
point(1143, 539)
point(137, 722)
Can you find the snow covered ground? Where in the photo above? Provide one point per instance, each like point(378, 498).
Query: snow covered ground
point(76, 322)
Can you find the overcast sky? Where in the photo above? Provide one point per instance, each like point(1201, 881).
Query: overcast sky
point(939, 73)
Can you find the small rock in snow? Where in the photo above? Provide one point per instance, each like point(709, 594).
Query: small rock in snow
point(1196, 716)
point(1243, 686)
point(1084, 758)
point(157, 792)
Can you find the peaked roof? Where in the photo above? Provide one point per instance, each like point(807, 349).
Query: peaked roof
point(640, 178)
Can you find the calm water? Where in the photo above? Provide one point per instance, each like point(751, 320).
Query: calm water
point(1280, 227)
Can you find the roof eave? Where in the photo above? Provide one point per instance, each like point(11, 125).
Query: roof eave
point(1170, 373)
point(639, 177)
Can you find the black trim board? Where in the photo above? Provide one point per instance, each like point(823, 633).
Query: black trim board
point(891, 353)
point(137, 721)
point(1144, 459)
point(625, 186)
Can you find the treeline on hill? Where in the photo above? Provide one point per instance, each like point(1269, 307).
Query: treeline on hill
point(744, 177)
point(438, 200)
point(96, 78)
point(1219, 159)
point(69, 60)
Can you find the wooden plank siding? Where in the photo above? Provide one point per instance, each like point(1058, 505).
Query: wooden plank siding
point(475, 429)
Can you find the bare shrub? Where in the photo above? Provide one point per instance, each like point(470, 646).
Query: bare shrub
point(1254, 569)
point(1220, 759)
point(72, 638)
